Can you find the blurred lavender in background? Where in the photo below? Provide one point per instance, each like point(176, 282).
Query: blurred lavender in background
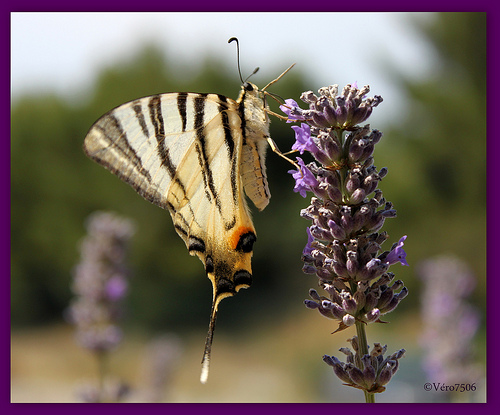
point(450, 323)
point(100, 283)
point(160, 363)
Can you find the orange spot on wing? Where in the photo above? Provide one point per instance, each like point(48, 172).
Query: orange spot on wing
point(236, 235)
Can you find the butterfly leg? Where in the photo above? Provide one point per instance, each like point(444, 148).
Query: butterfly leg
point(275, 148)
point(281, 117)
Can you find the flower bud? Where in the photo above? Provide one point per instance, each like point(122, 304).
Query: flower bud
point(349, 305)
point(311, 304)
point(359, 297)
point(385, 297)
point(336, 231)
point(338, 368)
point(369, 373)
point(319, 120)
point(357, 196)
point(372, 315)
point(308, 269)
point(385, 374)
point(323, 274)
point(330, 146)
point(390, 306)
point(402, 294)
point(340, 269)
point(352, 264)
point(353, 181)
point(308, 97)
point(356, 375)
point(348, 320)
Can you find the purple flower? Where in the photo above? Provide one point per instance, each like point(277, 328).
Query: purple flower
point(308, 248)
point(450, 321)
point(372, 375)
point(163, 359)
point(114, 390)
point(100, 282)
point(303, 139)
point(304, 179)
point(397, 254)
point(292, 110)
point(116, 287)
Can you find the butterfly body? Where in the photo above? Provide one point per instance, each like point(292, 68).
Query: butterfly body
point(194, 155)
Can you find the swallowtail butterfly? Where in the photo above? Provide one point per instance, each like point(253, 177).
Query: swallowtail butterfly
point(194, 155)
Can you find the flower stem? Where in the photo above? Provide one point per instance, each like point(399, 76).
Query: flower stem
point(363, 349)
point(101, 357)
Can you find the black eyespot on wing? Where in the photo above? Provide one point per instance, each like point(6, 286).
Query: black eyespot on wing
point(209, 264)
point(196, 244)
point(224, 286)
point(242, 277)
point(245, 244)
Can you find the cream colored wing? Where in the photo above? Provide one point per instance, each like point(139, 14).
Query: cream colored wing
point(183, 152)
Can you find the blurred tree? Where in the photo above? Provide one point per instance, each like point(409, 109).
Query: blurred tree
point(439, 151)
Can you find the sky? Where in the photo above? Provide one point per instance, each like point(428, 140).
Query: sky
point(63, 52)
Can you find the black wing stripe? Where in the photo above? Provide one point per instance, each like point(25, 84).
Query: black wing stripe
point(117, 140)
point(199, 107)
point(230, 225)
point(181, 106)
point(181, 229)
point(229, 140)
point(202, 154)
point(241, 111)
point(159, 126)
point(139, 114)
point(163, 151)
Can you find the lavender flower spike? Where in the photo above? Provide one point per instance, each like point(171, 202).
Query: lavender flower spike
point(100, 282)
point(450, 322)
point(347, 211)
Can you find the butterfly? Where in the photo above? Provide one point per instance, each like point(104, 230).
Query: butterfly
point(195, 154)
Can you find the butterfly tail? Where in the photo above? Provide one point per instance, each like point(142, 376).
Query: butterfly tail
point(205, 362)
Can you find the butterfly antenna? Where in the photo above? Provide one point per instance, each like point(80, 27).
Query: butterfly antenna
point(238, 55)
point(253, 73)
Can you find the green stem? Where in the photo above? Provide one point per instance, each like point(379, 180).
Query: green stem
point(363, 349)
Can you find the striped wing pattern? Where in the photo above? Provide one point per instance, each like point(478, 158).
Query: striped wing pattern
point(193, 154)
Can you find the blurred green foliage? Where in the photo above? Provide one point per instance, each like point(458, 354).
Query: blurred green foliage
point(437, 182)
point(437, 156)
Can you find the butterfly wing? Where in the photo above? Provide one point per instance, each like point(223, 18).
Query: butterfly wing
point(182, 152)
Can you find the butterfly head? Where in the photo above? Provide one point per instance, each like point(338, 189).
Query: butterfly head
point(249, 91)
point(248, 86)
